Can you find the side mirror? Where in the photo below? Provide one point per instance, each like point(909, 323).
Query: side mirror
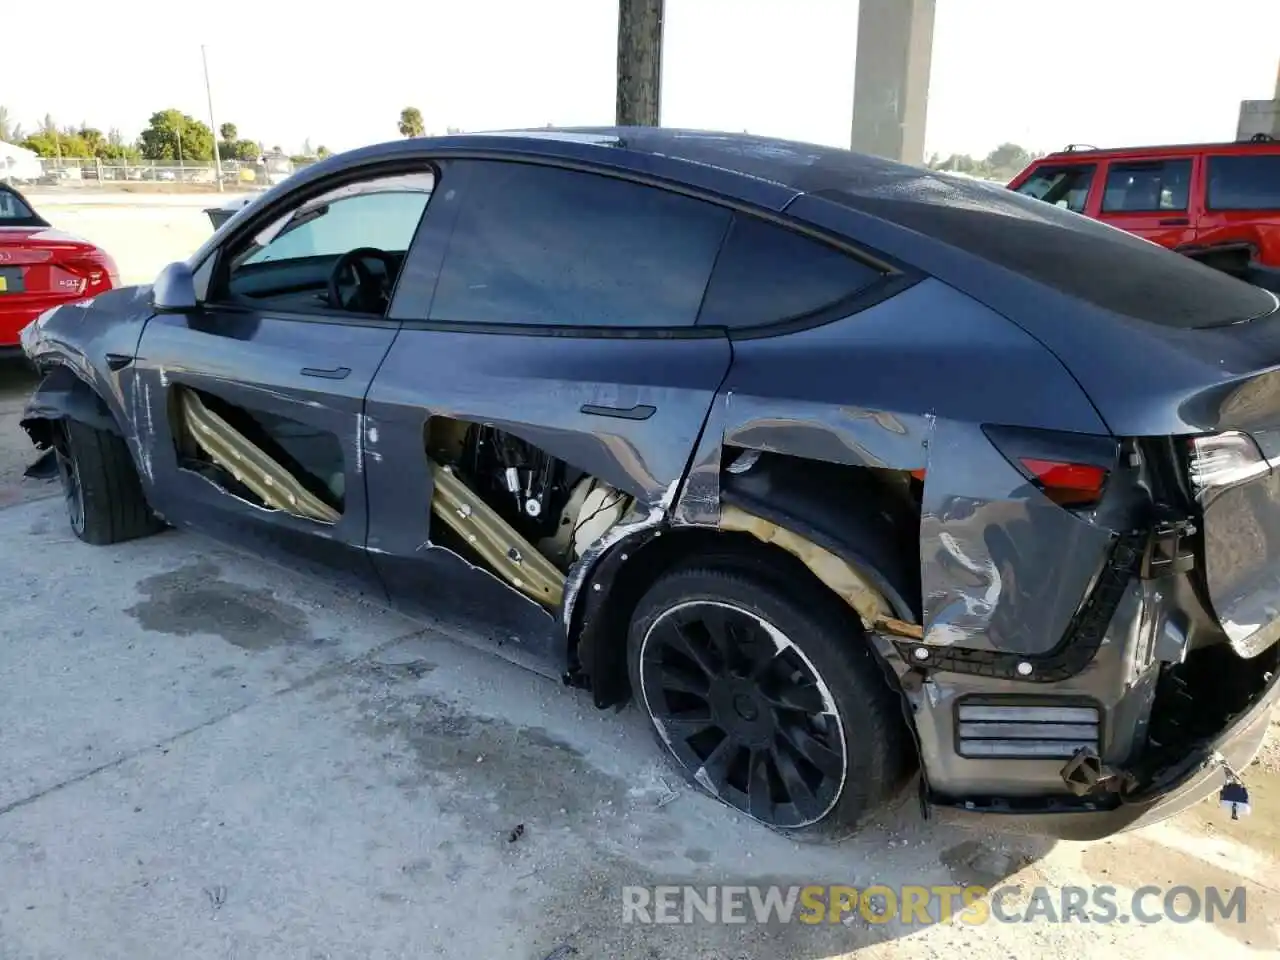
point(174, 290)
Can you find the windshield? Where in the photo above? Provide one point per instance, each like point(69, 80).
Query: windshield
point(382, 213)
point(1066, 187)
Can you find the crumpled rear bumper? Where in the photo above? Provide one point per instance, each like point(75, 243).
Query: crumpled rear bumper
point(1199, 776)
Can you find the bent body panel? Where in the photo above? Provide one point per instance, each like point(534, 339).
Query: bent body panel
point(899, 387)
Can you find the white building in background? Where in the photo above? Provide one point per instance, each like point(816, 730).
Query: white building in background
point(1260, 116)
point(19, 165)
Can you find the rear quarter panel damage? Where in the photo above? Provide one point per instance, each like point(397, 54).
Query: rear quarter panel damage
point(1004, 568)
point(906, 385)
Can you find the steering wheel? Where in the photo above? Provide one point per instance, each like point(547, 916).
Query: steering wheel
point(368, 292)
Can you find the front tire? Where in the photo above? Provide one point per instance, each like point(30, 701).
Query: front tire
point(104, 498)
point(765, 695)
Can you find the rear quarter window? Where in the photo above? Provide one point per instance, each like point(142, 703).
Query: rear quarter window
point(1244, 182)
point(768, 274)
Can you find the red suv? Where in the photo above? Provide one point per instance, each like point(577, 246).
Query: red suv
point(1217, 202)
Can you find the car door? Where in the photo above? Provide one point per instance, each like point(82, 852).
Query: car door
point(1151, 198)
point(555, 307)
point(1242, 208)
point(251, 405)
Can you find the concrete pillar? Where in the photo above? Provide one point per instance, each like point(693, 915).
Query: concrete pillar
point(1260, 116)
point(891, 78)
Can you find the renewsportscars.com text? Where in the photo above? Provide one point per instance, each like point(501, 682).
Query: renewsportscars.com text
point(814, 904)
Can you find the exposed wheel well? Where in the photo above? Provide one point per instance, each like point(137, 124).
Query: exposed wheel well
point(867, 516)
point(62, 395)
point(601, 650)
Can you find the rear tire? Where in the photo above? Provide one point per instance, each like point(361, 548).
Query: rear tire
point(104, 498)
point(766, 695)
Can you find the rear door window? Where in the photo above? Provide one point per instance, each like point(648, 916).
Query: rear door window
point(1244, 182)
point(1147, 186)
point(1063, 186)
point(768, 274)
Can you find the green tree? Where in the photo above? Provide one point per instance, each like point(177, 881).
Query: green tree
point(322, 151)
point(171, 135)
point(411, 124)
point(231, 147)
point(115, 149)
point(1007, 159)
point(239, 150)
point(53, 142)
point(93, 140)
point(958, 163)
point(44, 144)
point(119, 153)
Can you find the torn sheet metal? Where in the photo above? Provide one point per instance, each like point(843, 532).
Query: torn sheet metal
point(63, 395)
point(1002, 567)
point(272, 483)
point(841, 578)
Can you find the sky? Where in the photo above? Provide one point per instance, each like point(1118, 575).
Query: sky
point(1041, 73)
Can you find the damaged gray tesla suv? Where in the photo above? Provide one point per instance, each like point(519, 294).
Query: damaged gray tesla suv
point(839, 470)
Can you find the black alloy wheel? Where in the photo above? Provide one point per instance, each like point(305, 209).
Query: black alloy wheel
point(745, 711)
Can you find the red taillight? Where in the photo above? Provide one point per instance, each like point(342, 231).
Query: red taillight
point(1071, 469)
point(96, 269)
point(1067, 484)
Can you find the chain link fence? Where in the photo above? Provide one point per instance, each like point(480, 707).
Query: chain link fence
point(236, 174)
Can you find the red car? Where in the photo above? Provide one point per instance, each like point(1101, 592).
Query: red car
point(41, 267)
point(1217, 202)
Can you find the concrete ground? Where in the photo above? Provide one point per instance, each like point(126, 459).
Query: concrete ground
point(204, 755)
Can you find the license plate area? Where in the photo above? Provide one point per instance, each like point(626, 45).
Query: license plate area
point(11, 280)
